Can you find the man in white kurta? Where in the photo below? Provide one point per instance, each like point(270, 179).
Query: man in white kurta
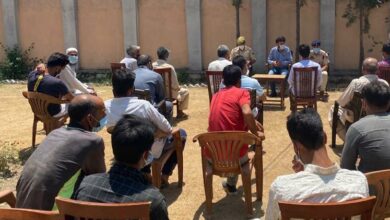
point(180, 94)
point(317, 178)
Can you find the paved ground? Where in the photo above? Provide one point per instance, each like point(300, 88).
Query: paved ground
point(188, 202)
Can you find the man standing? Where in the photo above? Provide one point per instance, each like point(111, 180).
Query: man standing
point(230, 111)
point(369, 138)
point(45, 81)
point(321, 57)
point(369, 70)
point(244, 51)
point(304, 52)
point(66, 153)
point(279, 59)
point(317, 178)
point(132, 139)
point(223, 59)
point(146, 78)
point(180, 94)
point(132, 54)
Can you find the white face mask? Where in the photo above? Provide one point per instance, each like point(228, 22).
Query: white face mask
point(282, 47)
point(317, 50)
point(148, 160)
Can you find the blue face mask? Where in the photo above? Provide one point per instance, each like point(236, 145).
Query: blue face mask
point(73, 59)
point(149, 160)
point(100, 125)
point(316, 50)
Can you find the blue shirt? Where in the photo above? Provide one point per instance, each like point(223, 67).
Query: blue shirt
point(148, 79)
point(284, 56)
point(248, 83)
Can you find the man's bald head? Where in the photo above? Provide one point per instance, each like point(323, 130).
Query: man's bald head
point(370, 65)
point(83, 105)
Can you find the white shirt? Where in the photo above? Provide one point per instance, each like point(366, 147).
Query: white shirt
point(130, 63)
point(68, 77)
point(304, 64)
point(117, 107)
point(356, 85)
point(175, 83)
point(218, 65)
point(317, 185)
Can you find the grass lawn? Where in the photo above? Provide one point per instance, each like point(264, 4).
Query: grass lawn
point(186, 203)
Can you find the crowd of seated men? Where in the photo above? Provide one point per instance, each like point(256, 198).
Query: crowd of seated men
point(73, 156)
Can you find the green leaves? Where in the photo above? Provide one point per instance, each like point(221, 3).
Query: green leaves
point(17, 63)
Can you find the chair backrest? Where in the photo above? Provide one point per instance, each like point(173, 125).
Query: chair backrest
point(8, 197)
point(143, 94)
point(39, 103)
point(117, 66)
point(224, 148)
point(333, 210)
point(27, 214)
point(214, 78)
point(384, 73)
point(93, 210)
point(305, 81)
point(379, 184)
point(355, 105)
point(166, 74)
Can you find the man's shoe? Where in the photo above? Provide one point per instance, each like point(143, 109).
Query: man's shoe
point(273, 94)
point(230, 190)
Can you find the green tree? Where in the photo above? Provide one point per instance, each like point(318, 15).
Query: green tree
point(237, 4)
point(360, 10)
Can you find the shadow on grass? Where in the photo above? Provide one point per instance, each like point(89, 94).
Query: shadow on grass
point(230, 207)
point(25, 153)
point(172, 193)
point(338, 150)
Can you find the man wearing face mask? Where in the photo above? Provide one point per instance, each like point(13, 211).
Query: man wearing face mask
point(321, 57)
point(65, 156)
point(44, 81)
point(181, 94)
point(73, 56)
point(317, 179)
point(244, 51)
point(131, 139)
point(279, 59)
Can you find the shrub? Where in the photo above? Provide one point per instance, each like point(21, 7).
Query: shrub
point(8, 156)
point(17, 63)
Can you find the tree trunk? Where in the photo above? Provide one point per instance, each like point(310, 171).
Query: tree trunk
point(238, 34)
point(298, 28)
point(361, 36)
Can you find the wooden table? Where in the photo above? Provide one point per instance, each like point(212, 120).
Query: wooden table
point(265, 79)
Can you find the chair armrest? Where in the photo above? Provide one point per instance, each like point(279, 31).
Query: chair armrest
point(8, 197)
point(177, 139)
point(25, 94)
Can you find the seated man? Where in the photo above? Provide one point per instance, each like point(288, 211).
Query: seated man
point(73, 57)
point(317, 178)
point(223, 59)
point(244, 51)
point(321, 57)
point(133, 52)
point(304, 52)
point(181, 94)
point(369, 70)
point(230, 111)
point(44, 81)
point(124, 103)
point(66, 153)
point(146, 78)
point(386, 56)
point(369, 138)
point(279, 59)
point(132, 139)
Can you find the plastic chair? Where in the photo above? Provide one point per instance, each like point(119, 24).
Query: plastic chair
point(92, 210)
point(379, 184)
point(333, 210)
point(224, 148)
